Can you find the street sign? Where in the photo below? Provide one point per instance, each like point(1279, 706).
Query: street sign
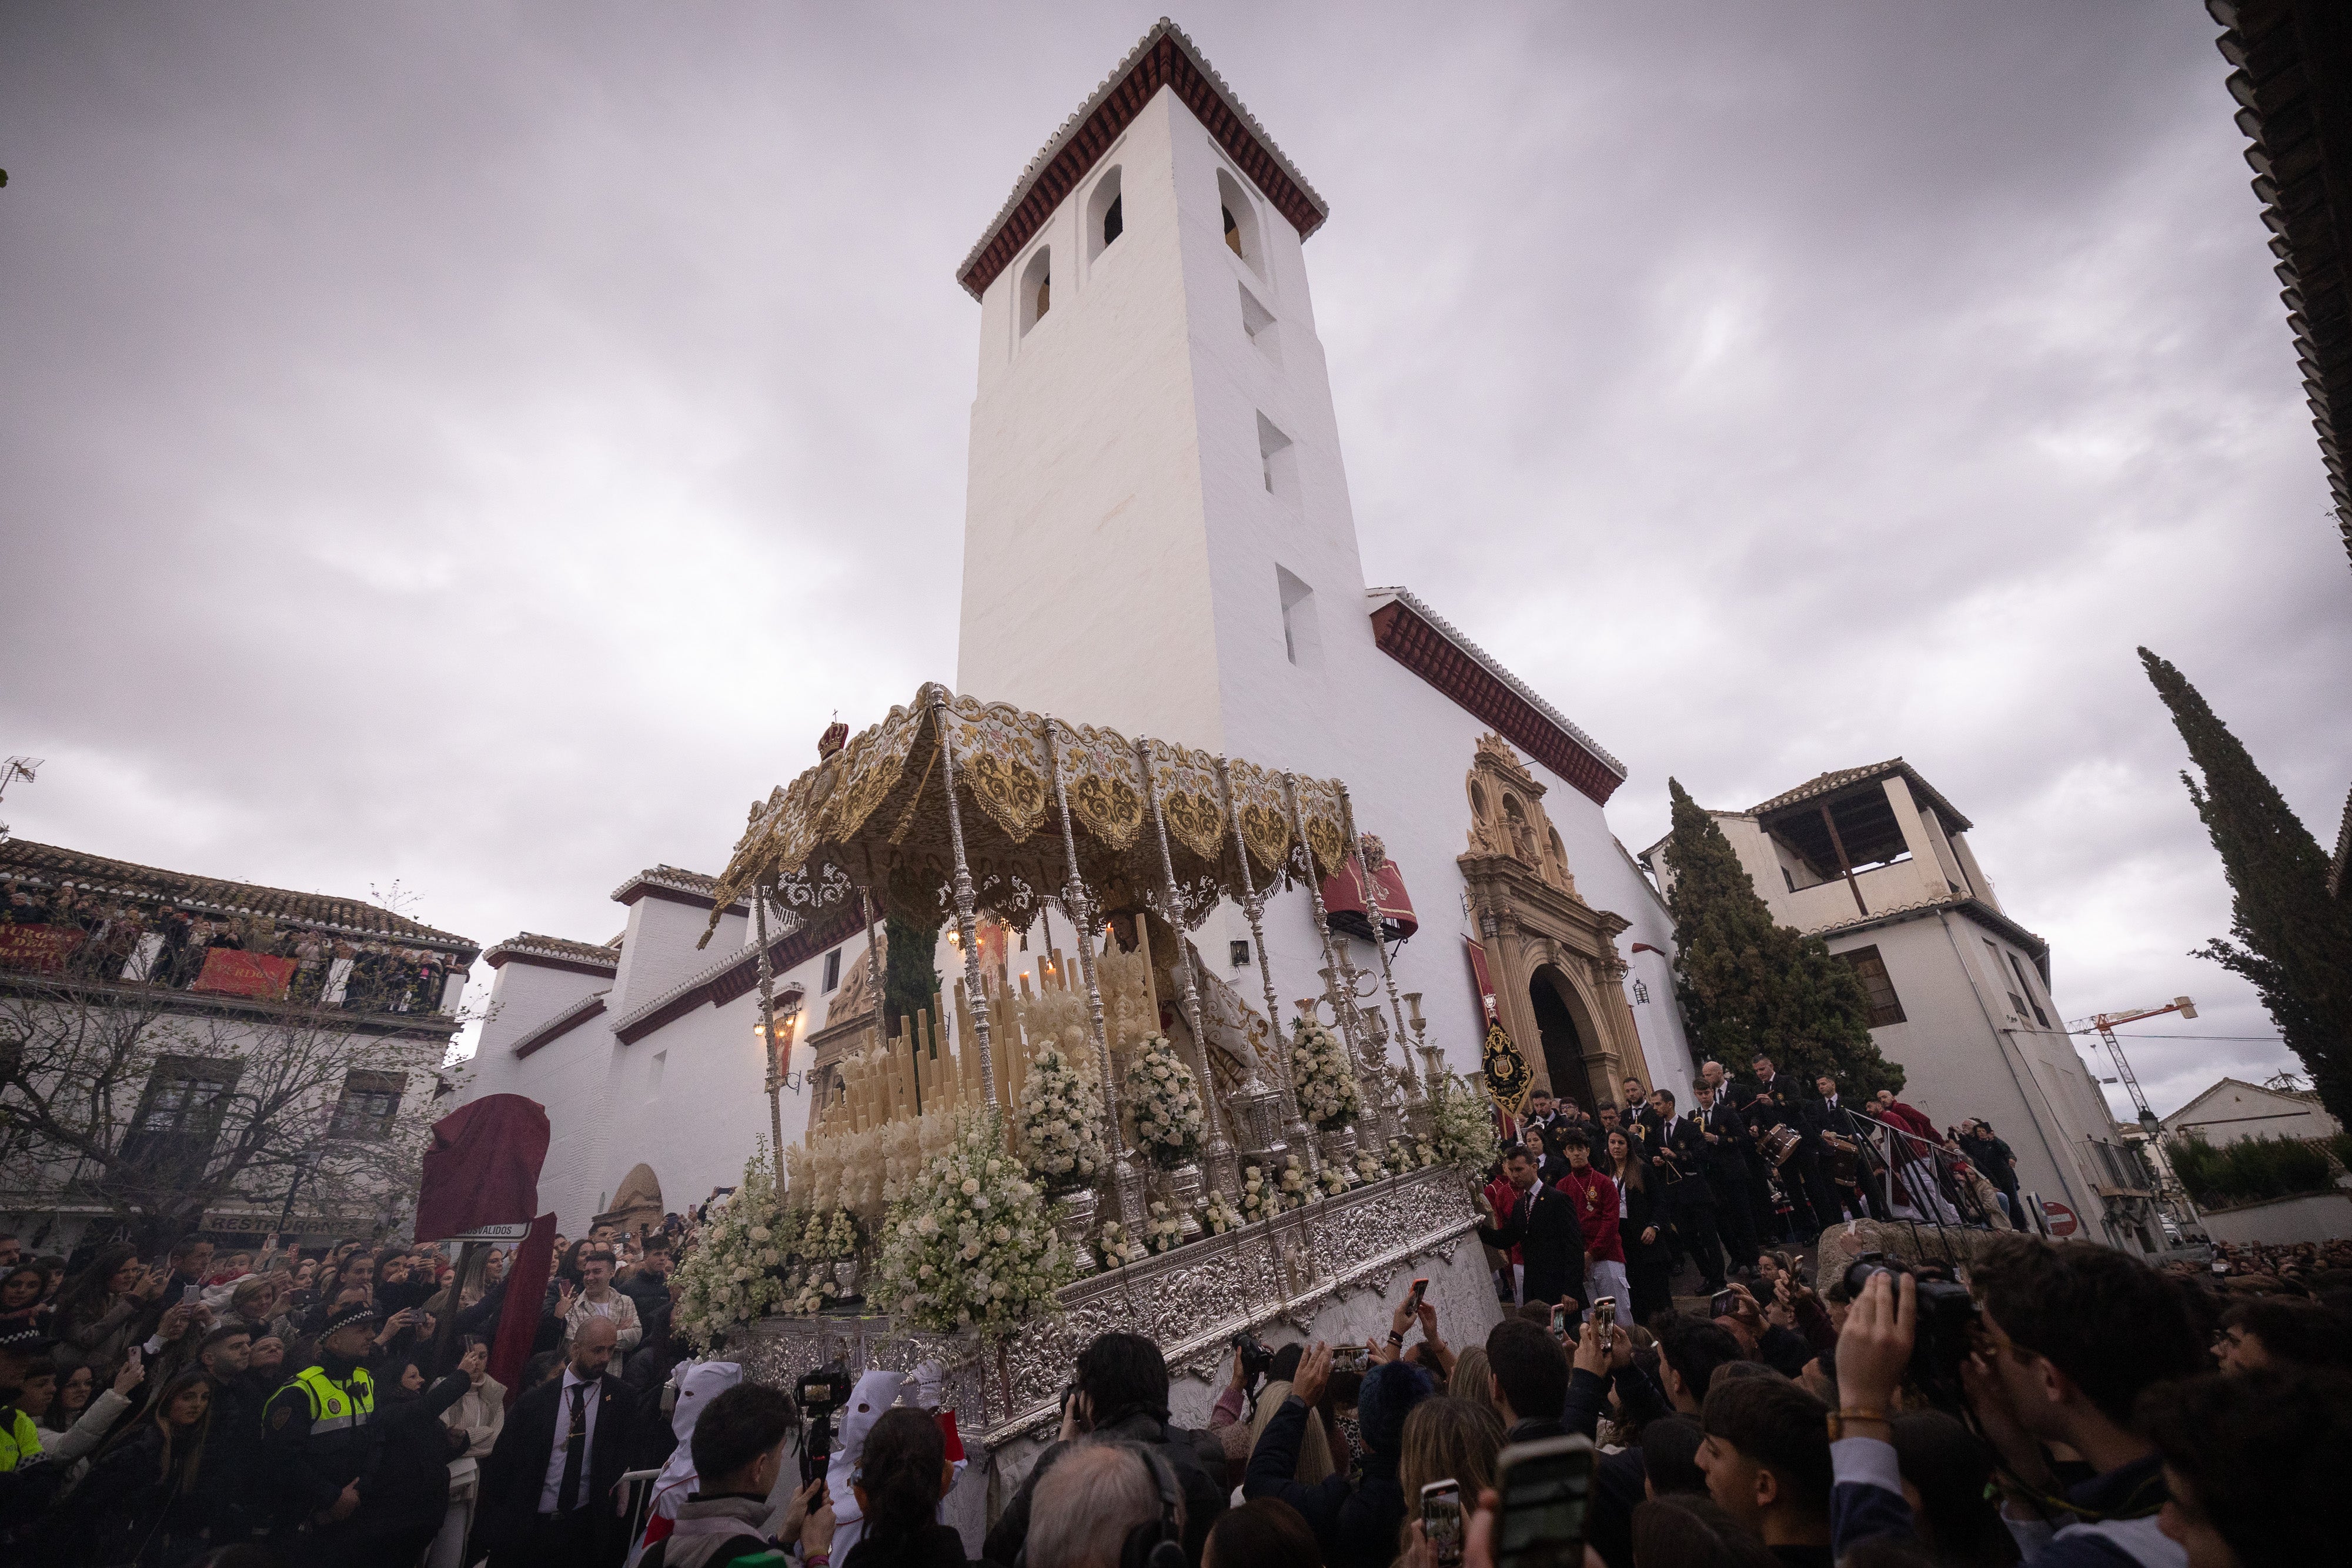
point(2062, 1219)
point(492, 1233)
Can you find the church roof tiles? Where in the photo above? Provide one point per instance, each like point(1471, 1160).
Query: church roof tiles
point(1428, 644)
point(1164, 58)
point(47, 865)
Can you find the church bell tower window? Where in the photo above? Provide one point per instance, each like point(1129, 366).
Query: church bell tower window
point(1036, 292)
point(1106, 214)
point(1239, 215)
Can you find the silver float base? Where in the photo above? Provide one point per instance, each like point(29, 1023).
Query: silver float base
point(1332, 1270)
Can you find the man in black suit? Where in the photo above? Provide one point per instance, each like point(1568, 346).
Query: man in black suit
point(547, 1486)
point(1840, 1137)
point(1775, 1101)
point(1680, 1152)
point(1544, 1225)
point(1723, 1151)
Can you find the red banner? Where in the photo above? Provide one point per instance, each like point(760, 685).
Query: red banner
point(229, 972)
point(1348, 911)
point(38, 949)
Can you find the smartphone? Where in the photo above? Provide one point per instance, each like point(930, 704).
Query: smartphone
point(1559, 1324)
point(1441, 1522)
point(188, 1294)
point(1348, 1357)
point(1721, 1305)
point(1420, 1288)
point(1604, 1313)
point(1546, 1486)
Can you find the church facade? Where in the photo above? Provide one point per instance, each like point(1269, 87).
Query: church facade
point(1159, 539)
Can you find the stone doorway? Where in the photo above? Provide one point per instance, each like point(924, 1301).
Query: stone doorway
point(1563, 1044)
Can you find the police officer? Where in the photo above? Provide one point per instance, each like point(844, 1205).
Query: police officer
point(314, 1431)
point(27, 1486)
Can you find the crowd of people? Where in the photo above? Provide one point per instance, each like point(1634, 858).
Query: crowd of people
point(327, 1405)
point(284, 1408)
point(99, 937)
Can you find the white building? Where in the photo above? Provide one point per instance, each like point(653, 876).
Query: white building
point(1159, 539)
point(2234, 1109)
point(1876, 862)
point(181, 1052)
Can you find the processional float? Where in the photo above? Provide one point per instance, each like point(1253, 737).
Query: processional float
point(969, 810)
point(955, 808)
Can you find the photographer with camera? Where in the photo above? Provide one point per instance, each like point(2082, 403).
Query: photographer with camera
point(2065, 1339)
point(1120, 1393)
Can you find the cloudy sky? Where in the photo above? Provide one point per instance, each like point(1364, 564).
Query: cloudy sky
point(481, 445)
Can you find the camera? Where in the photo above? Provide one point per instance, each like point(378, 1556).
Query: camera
point(1256, 1357)
point(822, 1393)
point(1947, 1315)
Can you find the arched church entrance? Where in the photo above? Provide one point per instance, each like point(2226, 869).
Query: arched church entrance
point(1564, 1048)
point(1551, 957)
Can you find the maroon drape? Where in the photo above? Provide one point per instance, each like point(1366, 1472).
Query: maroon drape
point(526, 1273)
point(483, 1166)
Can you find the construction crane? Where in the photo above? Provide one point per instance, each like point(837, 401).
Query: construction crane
point(2185, 1224)
point(2104, 1024)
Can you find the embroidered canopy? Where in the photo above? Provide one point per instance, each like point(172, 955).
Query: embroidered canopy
point(876, 810)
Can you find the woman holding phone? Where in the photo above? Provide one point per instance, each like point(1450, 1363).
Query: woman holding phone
point(97, 1307)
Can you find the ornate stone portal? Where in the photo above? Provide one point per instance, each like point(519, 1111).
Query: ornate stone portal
point(1537, 932)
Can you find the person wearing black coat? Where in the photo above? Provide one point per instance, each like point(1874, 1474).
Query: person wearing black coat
point(1355, 1524)
point(534, 1511)
point(405, 1494)
point(1120, 1393)
point(1544, 1225)
point(1649, 1257)
point(1724, 1155)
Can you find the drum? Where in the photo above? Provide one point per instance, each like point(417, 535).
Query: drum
point(1779, 1143)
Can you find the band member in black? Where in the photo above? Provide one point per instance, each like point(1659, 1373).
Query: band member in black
point(1724, 1150)
point(1773, 1102)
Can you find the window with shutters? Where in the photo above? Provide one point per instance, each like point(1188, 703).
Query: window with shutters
point(1886, 1007)
point(179, 1116)
point(370, 1103)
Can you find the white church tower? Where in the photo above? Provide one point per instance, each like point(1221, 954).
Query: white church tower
point(1157, 538)
point(1158, 526)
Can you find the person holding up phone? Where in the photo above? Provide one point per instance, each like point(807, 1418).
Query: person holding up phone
point(1356, 1525)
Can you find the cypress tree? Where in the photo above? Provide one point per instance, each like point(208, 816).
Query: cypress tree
point(1748, 984)
point(2287, 935)
point(909, 983)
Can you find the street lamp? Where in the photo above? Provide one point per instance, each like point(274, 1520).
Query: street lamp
point(779, 1016)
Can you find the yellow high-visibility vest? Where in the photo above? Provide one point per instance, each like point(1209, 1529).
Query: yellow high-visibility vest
point(335, 1407)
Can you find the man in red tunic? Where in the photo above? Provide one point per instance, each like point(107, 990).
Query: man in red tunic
point(1597, 1207)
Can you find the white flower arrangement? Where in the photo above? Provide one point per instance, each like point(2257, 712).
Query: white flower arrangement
point(1116, 1249)
point(1059, 1104)
point(1165, 1100)
point(1261, 1198)
point(1219, 1216)
point(725, 1280)
point(830, 1237)
point(1292, 1183)
point(1404, 1157)
point(1370, 1167)
point(972, 1244)
point(1326, 1081)
point(1463, 1133)
point(807, 1288)
point(1336, 1178)
point(1164, 1230)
